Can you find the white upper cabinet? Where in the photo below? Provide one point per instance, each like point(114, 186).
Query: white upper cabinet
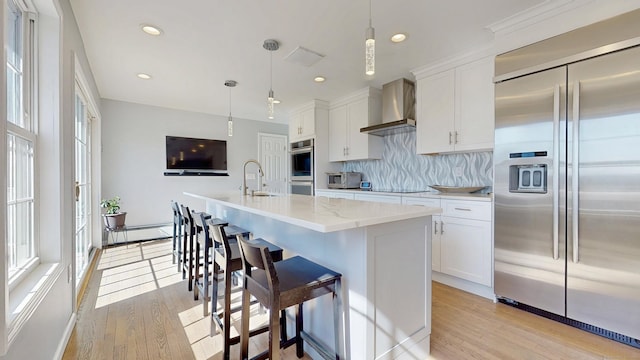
point(346, 117)
point(455, 109)
point(302, 125)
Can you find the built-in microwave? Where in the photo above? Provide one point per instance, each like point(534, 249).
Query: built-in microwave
point(344, 180)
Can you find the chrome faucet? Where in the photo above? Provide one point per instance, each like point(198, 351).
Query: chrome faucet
point(244, 175)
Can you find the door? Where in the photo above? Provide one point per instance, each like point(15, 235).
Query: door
point(603, 267)
point(436, 113)
point(338, 133)
point(273, 157)
point(358, 117)
point(528, 230)
point(83, 184)
point(473, 106)
point(465, 249)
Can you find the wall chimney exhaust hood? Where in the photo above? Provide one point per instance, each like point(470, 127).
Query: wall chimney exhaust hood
point(398, 109)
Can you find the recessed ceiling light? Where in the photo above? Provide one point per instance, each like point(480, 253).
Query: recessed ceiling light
point(399, 37)
point(144, 76)
point(319, 79)
point(276, 101)
point(151, 30)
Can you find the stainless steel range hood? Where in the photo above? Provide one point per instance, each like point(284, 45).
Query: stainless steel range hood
point(398, 109)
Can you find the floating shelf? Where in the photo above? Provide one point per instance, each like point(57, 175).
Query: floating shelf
point(193, 173)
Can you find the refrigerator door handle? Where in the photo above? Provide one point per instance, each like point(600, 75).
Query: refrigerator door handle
point(575, 162)
point(556, 168)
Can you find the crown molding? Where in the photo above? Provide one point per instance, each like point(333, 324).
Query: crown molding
point(453, 61)
point(534, 14)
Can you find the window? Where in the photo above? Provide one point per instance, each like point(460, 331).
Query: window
point(83, 184)
point(21, 140)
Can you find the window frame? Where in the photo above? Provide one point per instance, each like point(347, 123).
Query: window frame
point(28, 132)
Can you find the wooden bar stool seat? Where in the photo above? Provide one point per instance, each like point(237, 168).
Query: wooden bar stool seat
point(226, 258)
point(279, 285)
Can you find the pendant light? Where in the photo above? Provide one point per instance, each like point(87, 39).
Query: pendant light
point(271, 45)
point(230, 84)
point(370, 48)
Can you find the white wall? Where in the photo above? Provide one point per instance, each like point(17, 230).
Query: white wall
point(133, 156)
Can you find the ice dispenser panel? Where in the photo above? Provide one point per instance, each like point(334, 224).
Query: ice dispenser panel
point(530, 178)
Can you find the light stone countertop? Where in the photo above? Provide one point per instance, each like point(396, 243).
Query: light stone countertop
point(423, 194)
point(319, 213)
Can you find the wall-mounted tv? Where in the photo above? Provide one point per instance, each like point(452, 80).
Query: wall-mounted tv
point(196, 154)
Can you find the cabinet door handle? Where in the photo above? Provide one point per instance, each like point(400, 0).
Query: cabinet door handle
point(449, 137)
point(462, 209)
point(441, 227)
point(455, 138)
point(347, 151)
point(435, 227)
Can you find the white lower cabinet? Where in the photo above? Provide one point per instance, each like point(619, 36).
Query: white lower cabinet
point(435, 227)
point(465, 250)
point(391, 199)
point(336, 194)
point(461, 238)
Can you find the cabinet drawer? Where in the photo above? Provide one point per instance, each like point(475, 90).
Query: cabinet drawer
point(379, 198)
point(476, 210)
point(429, 202)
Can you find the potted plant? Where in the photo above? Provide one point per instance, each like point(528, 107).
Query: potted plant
point(113, 217)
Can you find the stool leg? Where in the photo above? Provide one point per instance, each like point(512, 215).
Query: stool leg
point(205, 282)
point(283, 325)
point(173, 259)
point(244, 320)
point(184, 253)
point(196, 272)
point(337, 317)
point(214, 294)
point(190, 261)
point(299, 325)
point(274, 332)
point(226, 323)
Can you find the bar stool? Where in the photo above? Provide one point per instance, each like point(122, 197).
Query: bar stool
point(202, 257)
point(280, 285)
point(177, 232)
point(191, 231)
point(226, 258)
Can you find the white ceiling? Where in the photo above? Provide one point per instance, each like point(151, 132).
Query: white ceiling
point(206, 42)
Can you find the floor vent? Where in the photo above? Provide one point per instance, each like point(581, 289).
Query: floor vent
point(627, 340)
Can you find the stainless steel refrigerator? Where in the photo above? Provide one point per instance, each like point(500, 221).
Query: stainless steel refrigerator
point(567, 193)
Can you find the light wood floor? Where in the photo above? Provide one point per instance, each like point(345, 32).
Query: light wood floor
point(137, 306)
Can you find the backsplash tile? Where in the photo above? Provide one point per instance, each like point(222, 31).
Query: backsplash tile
point(402, 169)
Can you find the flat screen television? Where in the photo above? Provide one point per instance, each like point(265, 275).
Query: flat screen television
point(196, 154)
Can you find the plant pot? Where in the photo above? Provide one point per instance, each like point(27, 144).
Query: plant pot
point(114, 221)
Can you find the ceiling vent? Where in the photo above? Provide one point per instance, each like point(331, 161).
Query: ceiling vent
point(303, 56)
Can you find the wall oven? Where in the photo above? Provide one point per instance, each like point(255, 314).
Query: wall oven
point(302, 167)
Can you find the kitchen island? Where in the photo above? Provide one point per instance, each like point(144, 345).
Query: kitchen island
point(382, 250)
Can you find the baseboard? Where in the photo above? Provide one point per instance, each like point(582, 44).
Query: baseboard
point(65, 337)
point(416, 346)
point(464, 285)
point(84, 282)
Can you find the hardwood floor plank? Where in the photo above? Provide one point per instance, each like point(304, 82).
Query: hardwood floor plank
point(136, 307)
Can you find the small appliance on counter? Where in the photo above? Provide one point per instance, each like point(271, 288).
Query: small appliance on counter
point(365, 185)
point(344, 180)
